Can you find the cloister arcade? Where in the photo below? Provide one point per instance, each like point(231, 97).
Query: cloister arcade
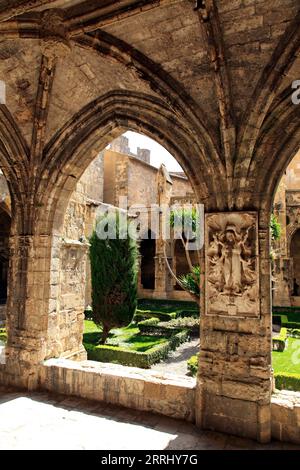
point(213, 85)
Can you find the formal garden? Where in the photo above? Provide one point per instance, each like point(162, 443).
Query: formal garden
point(286, 349)
point(157, 328)
point(122, 329)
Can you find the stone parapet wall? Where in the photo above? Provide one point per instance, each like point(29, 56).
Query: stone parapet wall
point(147, 390)
point(130, 387)
point(285, 409)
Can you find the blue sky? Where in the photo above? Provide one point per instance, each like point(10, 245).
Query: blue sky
point(159, 154)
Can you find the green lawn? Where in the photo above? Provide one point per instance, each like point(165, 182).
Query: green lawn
point(289, 359)
point(127, 338)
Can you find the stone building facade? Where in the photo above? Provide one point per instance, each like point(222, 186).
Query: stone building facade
point(286, 283)
point(144, 186)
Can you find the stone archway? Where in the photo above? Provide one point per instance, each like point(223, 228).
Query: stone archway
point(73, 149)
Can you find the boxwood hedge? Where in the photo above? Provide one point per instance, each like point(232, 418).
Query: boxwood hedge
point(279, 341)
point(114, 354)
point(287, 381)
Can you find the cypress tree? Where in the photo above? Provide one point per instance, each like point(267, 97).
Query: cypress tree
point(114, 280)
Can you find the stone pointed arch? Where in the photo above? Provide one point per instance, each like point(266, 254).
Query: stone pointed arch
point(107, 45)
point(278, 144)
point(263, 97)
point(14, 155)
point(71, 150)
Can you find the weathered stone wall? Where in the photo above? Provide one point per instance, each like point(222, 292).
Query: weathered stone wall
point(286, 416)
point(181, 186)
point(142, 185)
point(70, 290)
point(147, 391)
point(119, 385)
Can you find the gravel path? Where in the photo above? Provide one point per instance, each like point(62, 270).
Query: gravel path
point(176, 362)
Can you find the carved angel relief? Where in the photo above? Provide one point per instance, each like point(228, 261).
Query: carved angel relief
point(232, 282)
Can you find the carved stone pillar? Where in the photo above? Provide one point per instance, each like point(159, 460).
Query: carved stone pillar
point(162, 277)
point(283, 282)
point(27, 308)
point(234, 381)
point(67, 300)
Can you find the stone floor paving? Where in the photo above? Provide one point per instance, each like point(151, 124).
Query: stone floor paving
point(46, 421)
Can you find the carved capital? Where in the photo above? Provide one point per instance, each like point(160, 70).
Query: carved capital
point(54, 36)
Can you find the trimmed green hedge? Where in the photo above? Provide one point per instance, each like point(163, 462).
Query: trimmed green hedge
point(288, 321)
point(285, 381)
point(293, 311)
point(153, 326)
point(116, 355)
point(294, 333)
point(166, 306)
point(279, 341)
point(191, 313)
point(190, 323)
point(142, 315)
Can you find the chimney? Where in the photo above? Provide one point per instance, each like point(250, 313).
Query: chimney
point(143, 154)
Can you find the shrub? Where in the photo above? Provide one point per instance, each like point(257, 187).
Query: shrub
point(190, 323)
point(188, 313)
point(287, 381)
point(289, 319)
point(116, 355)
point(191, 281)
point(114, 278)
point(291, 314)
point(149, 322)
point(154, 327)
point(279, 341)
point(142, 315)
point(166, 306)
point(294, 333)
point(192, 365)
point(275, 228)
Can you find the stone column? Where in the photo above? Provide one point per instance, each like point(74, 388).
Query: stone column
point(27, 308)
point(67, 299)
point(283, 284)
point(234, 380)
point(162, 276)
